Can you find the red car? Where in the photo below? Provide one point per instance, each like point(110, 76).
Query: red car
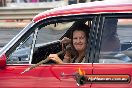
point(108, 58)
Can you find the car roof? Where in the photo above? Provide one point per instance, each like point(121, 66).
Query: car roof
point(97, 7)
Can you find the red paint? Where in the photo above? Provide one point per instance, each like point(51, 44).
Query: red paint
point(113, 69)
point(84, 10)
point(41, 77)
point(2, 61)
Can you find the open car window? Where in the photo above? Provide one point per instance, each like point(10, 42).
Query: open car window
point(48, 40)
point(116, 46)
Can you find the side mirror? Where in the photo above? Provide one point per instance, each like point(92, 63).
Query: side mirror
point(2, 61)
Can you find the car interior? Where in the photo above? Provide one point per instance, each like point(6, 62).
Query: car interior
point(42, 52)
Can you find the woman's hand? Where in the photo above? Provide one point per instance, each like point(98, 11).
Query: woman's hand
point(55, 58)
point(65, 41)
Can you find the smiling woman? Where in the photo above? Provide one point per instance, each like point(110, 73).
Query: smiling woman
point(78, 42)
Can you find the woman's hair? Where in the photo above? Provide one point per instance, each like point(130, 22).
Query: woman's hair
point(78, 26)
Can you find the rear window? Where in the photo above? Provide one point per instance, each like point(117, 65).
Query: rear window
point(116, 46)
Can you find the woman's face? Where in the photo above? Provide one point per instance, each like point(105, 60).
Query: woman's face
point(79, 40)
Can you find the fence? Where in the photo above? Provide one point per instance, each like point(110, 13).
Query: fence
point(19, 13)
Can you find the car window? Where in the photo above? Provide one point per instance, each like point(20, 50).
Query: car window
point(48, 39)
point(21, 54)
point(116, 41)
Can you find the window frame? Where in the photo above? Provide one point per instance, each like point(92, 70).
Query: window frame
point(54, 20)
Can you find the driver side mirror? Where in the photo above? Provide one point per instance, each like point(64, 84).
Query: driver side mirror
point(2, 61)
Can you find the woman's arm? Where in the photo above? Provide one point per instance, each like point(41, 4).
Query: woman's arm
point(55, 58)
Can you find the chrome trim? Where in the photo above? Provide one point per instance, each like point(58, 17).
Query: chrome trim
point(33, 45)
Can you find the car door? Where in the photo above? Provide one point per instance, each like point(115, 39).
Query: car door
point(113, 69)
point(65, 73)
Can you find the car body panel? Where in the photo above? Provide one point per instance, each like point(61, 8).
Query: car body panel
point(113, 69)
point(12, 77)
point(48, 75)
point(3, 61)
point(84, 9)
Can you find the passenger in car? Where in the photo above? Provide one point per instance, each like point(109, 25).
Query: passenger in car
point(79, 33)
